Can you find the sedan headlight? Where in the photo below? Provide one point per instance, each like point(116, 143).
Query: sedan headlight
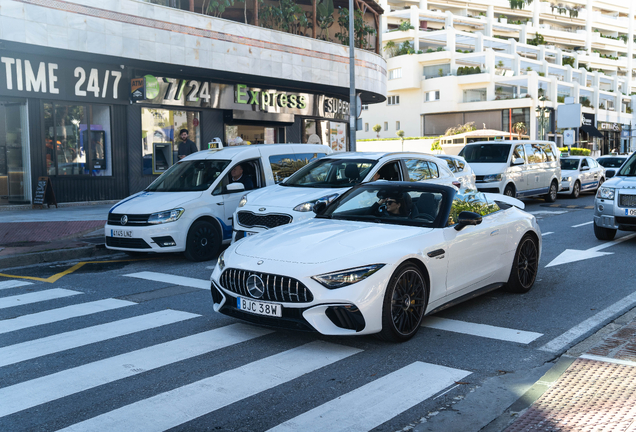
point(220, 262)
point(492, 178)
point(243, 201)
point(566, 178)
point(165, 216)
point(605, 193)
point(309, 205)
point(346, 277)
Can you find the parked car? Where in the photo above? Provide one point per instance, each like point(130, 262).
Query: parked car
point(615, 203)
point(189, 208)
point(324, 180)
point(378, 259)
point(515, 168)
point(580, 174)
point(461, 169)
point(611, 163)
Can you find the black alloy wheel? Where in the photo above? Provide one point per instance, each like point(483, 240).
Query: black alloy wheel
point(203, 241)
point(404, 305)
point(509, 191)
point(576, 190)
point(552, 193)
point(525, 266)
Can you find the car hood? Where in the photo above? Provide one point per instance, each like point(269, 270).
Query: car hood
point(621, 182)
point(151, 202)
point(488, 168)
point(289, 196)
point(322, 240)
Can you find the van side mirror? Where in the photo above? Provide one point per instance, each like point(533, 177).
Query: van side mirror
point(235, 187)
point(518, 161)
point(467, 218)
point(320, 207)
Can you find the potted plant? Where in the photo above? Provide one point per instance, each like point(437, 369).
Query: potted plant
point(440, 72)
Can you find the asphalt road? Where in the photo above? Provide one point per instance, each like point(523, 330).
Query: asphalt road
point(135, 345)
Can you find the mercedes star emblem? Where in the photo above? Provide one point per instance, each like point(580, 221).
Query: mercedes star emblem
point(124, 220)
point(255, 286)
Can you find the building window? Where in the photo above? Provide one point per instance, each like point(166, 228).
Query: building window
point(397, 125)
point(475, 95)
point(77, 139)
point(395, 73)
point(365, 107)
point(431, 96)
point(436, 71)
point(386, 126)
point(393, 100)
point(366, 127)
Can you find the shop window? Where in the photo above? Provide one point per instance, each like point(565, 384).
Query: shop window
point(15, 177)
point(160, 136)
point(252, 134)
point(77, 139)
point(315, 131)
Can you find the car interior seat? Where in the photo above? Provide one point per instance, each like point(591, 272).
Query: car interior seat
point(352, 173)
point(427, 204)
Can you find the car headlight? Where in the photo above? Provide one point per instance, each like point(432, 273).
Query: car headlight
point(492, 178)
point(346, 277)
point(605, 193)
point(566, 178)
point(243, 201)
point(165, 216)
point(220, 262)
point(309, 205)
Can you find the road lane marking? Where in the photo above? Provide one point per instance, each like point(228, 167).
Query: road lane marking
point(583, 224)
point(48, 388)
point(548, 212)
point(183, 404)
point(572, 255)
point(559, 343)
point(64, 341)
point(482, 330)
point(13, 284)
point(61, 314)
point(379, 401)
point(547, 233)
point(36, 297)
point(172, 279)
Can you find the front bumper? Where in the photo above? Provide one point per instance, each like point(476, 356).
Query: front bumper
point(565, 186)
point(153, 238)
point(490, 187)
point(608, 214)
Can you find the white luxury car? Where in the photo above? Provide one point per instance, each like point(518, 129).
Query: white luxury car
point(462, 170)
point(324, 180)
point(378, 259)
point(580, 174)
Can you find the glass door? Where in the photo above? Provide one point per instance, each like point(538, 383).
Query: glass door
point(15, 179)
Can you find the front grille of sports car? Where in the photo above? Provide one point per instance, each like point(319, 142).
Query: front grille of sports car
point(627, 200)
point(249, 219)
point(277, 288)
point(131, 243)
point(133, 220)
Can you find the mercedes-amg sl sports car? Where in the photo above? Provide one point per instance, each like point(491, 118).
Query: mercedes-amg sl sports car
point(378, 259)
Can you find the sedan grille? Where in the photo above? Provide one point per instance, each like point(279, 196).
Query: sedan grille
point(249, 219)
point(277, 288)
point(133, 220)
point(627, 200)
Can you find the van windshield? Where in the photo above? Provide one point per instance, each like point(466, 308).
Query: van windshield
point(331, 173)
point(189, 176)
point(486, 153)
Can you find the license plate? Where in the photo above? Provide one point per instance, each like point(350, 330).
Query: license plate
point(121, 233)
point(630, 212)
point(259, 308)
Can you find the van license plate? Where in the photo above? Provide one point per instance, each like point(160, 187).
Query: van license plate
point(259, 308)
point(630, 212)
point(121, 233)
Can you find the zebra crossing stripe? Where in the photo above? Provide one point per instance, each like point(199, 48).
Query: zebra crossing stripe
point(64, 341)
point(172, 279)
point(178, 406)
point(482, 330)
point(37, 391)
point(35, 297)
point(13, 284)
point(371, 405)
point(60, 314)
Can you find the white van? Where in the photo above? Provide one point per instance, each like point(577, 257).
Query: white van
point(189, 208)
point(515, 168)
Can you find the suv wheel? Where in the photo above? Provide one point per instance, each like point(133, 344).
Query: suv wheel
point(602, 233)
point(552, 193)
point(509, 191)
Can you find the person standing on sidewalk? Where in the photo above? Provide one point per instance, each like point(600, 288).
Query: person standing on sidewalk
point(186, 146)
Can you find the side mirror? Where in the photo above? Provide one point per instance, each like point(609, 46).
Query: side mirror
point(467, 218)
point(235, 187)
point(518, 161)
point(609, 174)
point(585, 168)
point(319, 207)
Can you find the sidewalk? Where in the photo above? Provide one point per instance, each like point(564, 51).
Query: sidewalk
point(71, 231)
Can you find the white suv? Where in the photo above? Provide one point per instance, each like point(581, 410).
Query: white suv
point(326, 179)
point(615, 204)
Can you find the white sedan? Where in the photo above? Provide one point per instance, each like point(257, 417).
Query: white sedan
point(580, 174)
point(461, 169)
point(378, 259)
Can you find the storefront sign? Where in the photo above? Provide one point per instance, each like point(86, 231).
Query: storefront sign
point(45, 77)
point(610, 127)
point(587, 120)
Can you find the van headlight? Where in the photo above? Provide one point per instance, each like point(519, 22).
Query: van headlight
point(309, 205)
point(492, 178)
point(605, 193)
point(346, 277)
point(243, 201)
point(165, 216)
point(566, 178)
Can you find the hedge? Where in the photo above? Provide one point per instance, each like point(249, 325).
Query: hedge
point(575, 151)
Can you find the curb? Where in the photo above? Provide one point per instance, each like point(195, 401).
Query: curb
point(53, 256)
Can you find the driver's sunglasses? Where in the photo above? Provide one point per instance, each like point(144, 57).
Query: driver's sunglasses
point(391, 201)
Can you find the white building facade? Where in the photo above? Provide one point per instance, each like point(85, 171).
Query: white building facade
point(482, 61)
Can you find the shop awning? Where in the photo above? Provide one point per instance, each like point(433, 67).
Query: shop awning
point(592, 131)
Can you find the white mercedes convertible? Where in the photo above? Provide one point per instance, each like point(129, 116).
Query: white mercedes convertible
point(378, 259)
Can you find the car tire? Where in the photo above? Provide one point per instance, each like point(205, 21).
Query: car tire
point(603, 233)
point(203, 241)
point(509, 191)
point(404, 305)
point(525, 266)
point(551, 196)
point(576, 190)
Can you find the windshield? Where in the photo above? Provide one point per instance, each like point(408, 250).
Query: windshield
point(331, 173)
point(189, 176)
point(629, 168)
point(486, 153)
point(396, 205)
point(611, 162)
point(569, 164)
